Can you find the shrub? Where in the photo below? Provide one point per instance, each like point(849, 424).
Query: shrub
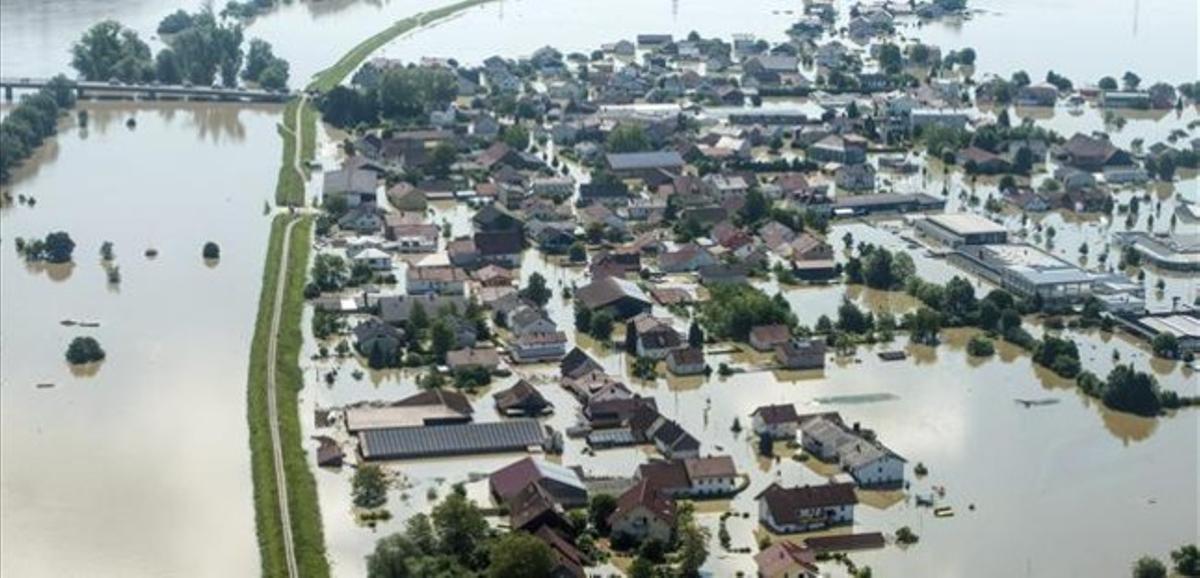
point(84, 350)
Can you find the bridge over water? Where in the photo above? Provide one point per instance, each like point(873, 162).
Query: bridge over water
point(150, 91)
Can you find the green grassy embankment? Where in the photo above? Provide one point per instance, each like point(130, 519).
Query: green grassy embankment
point(302, 495)
point(325, 80)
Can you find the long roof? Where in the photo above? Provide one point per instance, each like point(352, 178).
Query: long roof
point(445, 440)
point(646, 160)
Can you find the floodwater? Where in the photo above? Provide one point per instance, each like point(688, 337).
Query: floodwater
point(1082, 39)
point(137, 467)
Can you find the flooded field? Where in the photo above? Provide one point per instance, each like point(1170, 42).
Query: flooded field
point(136, 462)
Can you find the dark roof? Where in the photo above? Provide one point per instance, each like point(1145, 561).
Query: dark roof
point(570, 559)
point(451, 399)
point(445, 440)
point(675, 438)
point(664, 475)
point(687, 356)
point(646, 160)
point(643, 494)
point(594, 191)
point(785, 503)
point(608, 290)
point(529, 508)
point(577, 362)
point(498, 242)
point(522, 395)
point(774, 414)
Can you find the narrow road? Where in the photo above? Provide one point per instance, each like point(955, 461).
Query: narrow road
point(285, 517)
point(281, 487)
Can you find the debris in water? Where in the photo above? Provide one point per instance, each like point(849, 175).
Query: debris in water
point(151, 253)
point(45, 385)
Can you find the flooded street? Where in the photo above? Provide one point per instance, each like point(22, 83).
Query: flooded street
point(141, 465)
point(138, 461)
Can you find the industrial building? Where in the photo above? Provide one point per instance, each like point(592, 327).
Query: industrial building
point(1026, 271)
point(958, 229)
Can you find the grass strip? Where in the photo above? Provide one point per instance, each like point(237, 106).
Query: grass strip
point(302, 493)
point(325, 80)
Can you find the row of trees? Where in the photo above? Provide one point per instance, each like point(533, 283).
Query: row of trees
point(201, 48)
point(403, 95)
point(33, 120)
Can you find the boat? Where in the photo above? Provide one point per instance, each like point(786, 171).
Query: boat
point(45, 385)
point(944, 512)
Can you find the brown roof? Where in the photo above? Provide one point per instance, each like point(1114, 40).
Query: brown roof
point(570, 558)
point(687, 355)
point(711, 467)
point(664, 475)
point(773, 414)
point(451, 399)
point(780, 556)
point(520, 394)
point(645, 495)
point(770, 334)
point(472, 356)
point(529, 504)
point(785, 503)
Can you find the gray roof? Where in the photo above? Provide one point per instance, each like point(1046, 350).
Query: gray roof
point(350, 180)
point(446, 440)
point(640, 161)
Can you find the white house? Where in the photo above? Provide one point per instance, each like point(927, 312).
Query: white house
point(805, 508)
point(779, 422)
point(537, 347)
point(872, 465)
point(374, 258)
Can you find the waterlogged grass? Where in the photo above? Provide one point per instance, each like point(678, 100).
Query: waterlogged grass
point(334, 75)
point(302, 495)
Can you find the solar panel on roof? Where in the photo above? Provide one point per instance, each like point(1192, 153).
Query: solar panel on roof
point(445, 440)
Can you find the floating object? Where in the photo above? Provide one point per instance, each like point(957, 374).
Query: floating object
point(893, 355)
point(1036, 402)
point(924, 501)
point(73, 323)
point(131, 123)
point(944, 512)
point(151, 252)
point(45, 385)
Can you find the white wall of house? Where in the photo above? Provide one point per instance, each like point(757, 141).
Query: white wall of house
point(887, 470)
point(778, 431)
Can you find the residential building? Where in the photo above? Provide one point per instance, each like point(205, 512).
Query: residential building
point(779, 422)
point(522, 400)
point(784, 559)
point(768, 337)
point(686, 361)
point(806, 508)
point(643, 513)
point(562, 484)
point(438, 279)
point(799, 354)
